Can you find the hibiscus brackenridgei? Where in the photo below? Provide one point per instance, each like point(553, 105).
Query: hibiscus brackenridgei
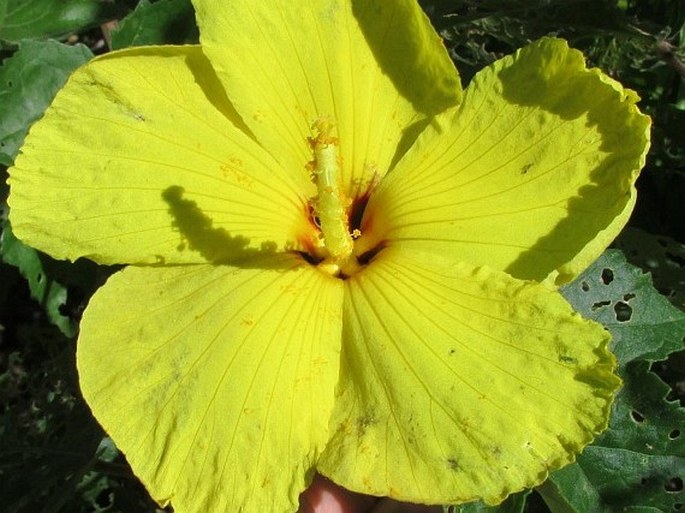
point(336, 262)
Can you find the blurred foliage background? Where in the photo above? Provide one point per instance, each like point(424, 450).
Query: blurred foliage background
point(55, 458)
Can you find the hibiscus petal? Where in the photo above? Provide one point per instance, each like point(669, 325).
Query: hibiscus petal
point(216, 382)
point(374, 67)
point(140, 159)
point(534, 173)
point(459, 383)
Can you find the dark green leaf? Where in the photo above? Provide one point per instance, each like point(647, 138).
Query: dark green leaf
point(29, 81)
point(662, 256)
point(28, 19)
point(638, 464)
point(4, 188)
point(52, 454)
point(569, 490)
point(514, 504)
point(643, 324)
point(50, 294)
point(162, 22)
point(50, 280)
point(627, 479)
point(642, 419)
point(9, 281)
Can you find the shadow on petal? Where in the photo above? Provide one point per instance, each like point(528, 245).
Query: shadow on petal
point(216, 245)
point(550, 77)
point(200, 68)
point(214, 91)
point(410, 53)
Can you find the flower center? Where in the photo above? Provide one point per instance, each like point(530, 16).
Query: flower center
point(331, 205)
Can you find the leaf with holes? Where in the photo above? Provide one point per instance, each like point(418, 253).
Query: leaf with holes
point(638, 464)
point(662, 256)
point(642, 322)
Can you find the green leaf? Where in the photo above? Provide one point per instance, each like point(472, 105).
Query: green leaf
point(49, 280)
point(662, 256)
point(21, 19)
point(51, 295)
point(4, 188)
point(638, 463)
point(627, 479)
point(569, 490)
point(513, 504)
point(642, 419)
point(28, 82)
point(643, 324)
point(162, 22)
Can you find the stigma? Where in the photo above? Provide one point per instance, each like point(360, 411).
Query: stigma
point(331, 204)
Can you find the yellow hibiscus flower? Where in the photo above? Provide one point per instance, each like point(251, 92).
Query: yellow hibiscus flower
point(336, 261)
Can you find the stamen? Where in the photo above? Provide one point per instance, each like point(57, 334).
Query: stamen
point(331, 203)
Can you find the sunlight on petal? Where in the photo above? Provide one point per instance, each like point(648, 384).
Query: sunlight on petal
point(459, 383)
point(534, 173)
point(216, 382)
point(140, 159)
point(374, 67)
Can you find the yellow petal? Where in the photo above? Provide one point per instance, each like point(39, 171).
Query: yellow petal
point(374, 67)
point(216, 382)
point(140, 159)
point(459, 383)
point(534, 173)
